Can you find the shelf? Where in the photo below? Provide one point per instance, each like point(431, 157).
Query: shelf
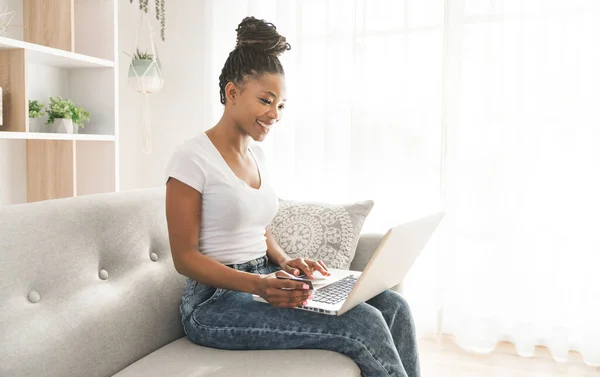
point(38, 54)
point(54, 136)
point(67, 48)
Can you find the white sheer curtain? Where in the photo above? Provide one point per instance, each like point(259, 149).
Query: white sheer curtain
point(522, 179)
point(488, 109)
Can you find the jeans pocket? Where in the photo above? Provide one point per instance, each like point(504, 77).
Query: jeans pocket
point(196, 294)
point(215, 296)
point(209, 295)
point(208, 299)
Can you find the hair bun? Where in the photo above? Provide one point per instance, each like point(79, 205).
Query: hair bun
point(261, 35)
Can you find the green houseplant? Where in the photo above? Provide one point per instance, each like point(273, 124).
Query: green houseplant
point(64, 116)
point(36, 111)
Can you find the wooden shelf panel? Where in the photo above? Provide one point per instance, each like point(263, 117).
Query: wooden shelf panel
point(95, 166)
point(38, 54)
point(49, 23)
point(14, 87)
point(54, 136)
point(51, 169)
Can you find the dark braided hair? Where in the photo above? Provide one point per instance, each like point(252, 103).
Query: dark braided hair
point(256, 52)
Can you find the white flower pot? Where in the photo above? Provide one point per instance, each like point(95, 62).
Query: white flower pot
point(144, 76)
point(37, 125)
point(63, 126)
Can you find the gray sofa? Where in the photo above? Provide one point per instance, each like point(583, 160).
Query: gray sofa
point(88, 288)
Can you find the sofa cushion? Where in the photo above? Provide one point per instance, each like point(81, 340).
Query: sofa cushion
point(329, 232)
point(184, 358)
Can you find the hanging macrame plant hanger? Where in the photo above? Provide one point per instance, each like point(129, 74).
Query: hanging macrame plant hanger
point(145, 74)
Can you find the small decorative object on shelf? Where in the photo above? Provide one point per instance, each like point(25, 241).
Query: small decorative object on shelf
point(36, 111)
point(6, 18)
point(64, 116)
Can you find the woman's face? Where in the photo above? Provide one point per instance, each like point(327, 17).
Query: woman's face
point(258, 104)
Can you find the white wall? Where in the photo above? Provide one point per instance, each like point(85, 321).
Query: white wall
point(177, 110)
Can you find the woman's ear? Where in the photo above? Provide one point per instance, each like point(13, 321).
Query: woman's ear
point(231, 93)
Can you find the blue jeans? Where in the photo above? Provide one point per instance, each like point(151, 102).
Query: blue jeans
point(378, 335)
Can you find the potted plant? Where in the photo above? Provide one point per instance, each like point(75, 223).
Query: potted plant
point(36, 110)
point(64, 116)
point(144, 72)
point(142, 64)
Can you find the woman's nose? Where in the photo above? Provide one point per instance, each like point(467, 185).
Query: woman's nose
point(274, 114)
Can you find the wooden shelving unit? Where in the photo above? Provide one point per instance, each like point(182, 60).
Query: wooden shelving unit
point(67, 48)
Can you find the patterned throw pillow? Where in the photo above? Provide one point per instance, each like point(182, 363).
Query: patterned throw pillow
point(323, 231)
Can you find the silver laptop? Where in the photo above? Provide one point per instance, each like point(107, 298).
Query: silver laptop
point(389, 264)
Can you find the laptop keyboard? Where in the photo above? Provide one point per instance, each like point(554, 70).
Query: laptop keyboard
point(335, 292)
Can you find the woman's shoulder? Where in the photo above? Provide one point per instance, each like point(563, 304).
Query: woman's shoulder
point(190, 162)
point(197, 152)
point(193, 148)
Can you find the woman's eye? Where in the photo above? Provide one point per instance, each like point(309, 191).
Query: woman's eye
point(281, 107)
point(265, 101)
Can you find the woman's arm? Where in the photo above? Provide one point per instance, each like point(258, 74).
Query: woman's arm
point(183, 211)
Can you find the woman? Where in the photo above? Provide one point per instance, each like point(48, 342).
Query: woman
point(219, 202)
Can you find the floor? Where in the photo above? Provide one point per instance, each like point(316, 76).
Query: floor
point(444, 359)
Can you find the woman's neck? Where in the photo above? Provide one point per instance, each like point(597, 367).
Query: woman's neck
point(228, 137)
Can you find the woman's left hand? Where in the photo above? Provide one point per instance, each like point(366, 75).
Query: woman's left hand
point(306, 266)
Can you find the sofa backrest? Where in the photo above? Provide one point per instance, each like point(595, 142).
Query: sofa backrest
point(87, 284)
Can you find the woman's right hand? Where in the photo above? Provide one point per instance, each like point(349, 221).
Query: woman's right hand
point(283, 293)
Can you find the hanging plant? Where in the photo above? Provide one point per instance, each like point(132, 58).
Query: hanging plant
point(145, 72)
point(160, 13)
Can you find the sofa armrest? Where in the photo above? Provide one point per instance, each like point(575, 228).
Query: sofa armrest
point(367, 244)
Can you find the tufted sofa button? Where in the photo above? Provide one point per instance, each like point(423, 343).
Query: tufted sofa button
point(34, 297)
point(154, 257)
point(103, 274)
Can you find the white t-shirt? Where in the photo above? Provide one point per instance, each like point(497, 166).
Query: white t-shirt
point(234, 215)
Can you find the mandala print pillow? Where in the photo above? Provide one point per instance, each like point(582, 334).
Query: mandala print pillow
point(329, 232)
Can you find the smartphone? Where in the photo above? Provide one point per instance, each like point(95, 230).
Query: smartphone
point(307, 281)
